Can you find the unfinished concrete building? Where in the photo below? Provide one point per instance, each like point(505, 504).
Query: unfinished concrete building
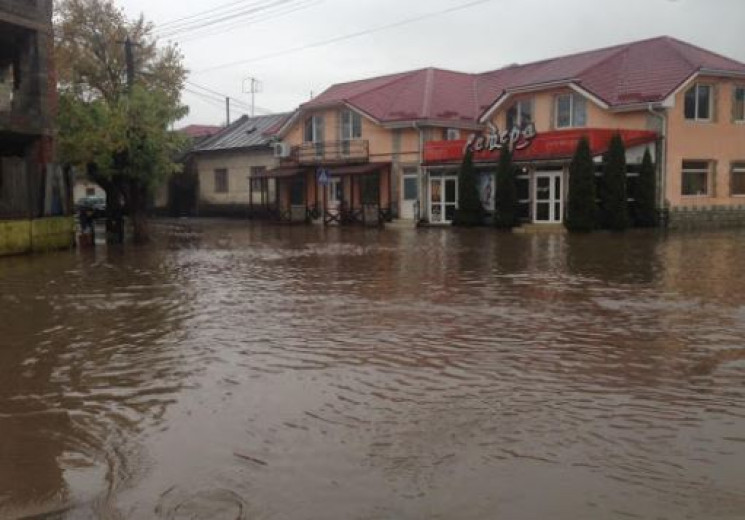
point(35, 198)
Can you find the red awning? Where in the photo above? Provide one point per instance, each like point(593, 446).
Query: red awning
point(279, 173)
point(558, 145)
point(357, 169)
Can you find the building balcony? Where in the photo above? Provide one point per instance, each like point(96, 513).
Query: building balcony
point(22, 113)
point(34, 12)
point(332, 152)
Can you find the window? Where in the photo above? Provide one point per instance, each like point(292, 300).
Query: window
point(313, 129)
point(314, 133)
point(90, 192)
point(351, 125)
point(738, 104)
point(450, 134)
point(695, 178)
point(737, 179)
point(221, 181)
point(520, 114)
point(411, 184)
point(698, 103)
point(254, 179)
point(571, 111)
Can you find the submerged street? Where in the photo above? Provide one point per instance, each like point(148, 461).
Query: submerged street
point(243, 371)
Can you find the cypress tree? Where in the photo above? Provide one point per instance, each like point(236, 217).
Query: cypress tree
point(470, 210)
point(613, 198)
point(506, 196)
point(582, 206)
point(646, 210)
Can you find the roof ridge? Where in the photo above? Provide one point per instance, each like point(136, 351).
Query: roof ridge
point(677, 51)
point(618, 46)
point(401, 77)
point(677, 43)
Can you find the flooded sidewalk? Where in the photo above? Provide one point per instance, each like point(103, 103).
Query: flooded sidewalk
point(242, 371)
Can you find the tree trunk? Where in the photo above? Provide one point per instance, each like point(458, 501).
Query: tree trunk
point(138, 213)
point(114, 208)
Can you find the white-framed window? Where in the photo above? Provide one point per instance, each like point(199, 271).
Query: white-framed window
point(520, 114)
point(313, 129)
point(450, 134)
point(738, 104)
point(737, 179)
point(699, 103)
point(695, 178)
point(351, 125)
point(571, 111)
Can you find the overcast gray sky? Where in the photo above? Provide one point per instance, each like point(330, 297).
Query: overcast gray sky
point(484, 36)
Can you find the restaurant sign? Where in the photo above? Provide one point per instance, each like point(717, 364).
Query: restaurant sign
point(494, 139)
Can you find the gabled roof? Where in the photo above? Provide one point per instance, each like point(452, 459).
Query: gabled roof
point(646, 71)
point(245, 132)
point(426, 94)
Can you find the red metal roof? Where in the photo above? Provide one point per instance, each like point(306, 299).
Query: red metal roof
point(197, 131)
point(638, 72)
point(558, 145)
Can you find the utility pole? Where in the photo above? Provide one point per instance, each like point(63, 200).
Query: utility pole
point(227, 111)
point(130, 59)
point(255, 88)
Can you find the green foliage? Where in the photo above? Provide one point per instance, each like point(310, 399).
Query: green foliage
point(505, 216)
point(118, 135)
point(90, 58)
point(614, 206)
point(470, 210)
point(582, 206)
point(646, 210)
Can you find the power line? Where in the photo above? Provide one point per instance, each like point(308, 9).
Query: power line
point(207, 32)
point(224, 17)
point(350, 36)
point(220, 97)
point(206, 12)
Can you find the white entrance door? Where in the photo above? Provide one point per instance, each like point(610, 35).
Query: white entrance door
point(335, 193)
point(409, 194)
point(443, 199)
point(548, 206)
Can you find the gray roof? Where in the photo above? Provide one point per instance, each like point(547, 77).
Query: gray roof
point(246, 132)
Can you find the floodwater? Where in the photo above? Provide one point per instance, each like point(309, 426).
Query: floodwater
point(238, 371)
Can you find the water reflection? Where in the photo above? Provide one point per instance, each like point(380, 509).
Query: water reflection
point(247, 371)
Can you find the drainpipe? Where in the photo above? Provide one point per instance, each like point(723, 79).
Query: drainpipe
point(662, 116)
point(422, 184)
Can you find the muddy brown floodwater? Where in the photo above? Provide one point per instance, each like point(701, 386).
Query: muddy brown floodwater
point(238, 371)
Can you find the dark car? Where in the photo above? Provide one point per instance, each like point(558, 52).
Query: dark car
point(95, 204)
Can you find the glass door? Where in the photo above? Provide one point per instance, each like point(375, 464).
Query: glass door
point(443, 199)
point(548, 204)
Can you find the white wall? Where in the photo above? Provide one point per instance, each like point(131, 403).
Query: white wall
point(239, 166)
point(81, 189)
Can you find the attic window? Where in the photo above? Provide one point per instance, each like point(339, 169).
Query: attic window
point(698, 103)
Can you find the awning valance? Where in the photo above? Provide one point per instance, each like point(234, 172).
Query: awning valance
point(279, 173)
point(357, 169)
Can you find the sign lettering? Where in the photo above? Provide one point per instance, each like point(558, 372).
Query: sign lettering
point(494, 139)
